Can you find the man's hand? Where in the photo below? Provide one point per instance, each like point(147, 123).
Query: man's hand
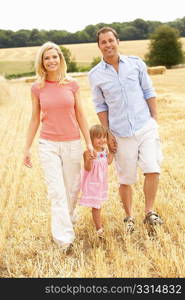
point(111, 142)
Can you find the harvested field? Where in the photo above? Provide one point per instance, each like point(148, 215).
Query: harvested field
point(26, 247)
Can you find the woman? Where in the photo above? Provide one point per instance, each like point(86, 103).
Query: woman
point(56, 98)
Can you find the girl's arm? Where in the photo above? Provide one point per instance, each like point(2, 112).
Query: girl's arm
point(80, 116)
point(32, 130)
point(87, 161)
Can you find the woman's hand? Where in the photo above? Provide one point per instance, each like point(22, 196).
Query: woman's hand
point(91, 151)
point(27, 159)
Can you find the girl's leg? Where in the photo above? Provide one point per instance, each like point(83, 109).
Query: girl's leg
point(61, 226)
point(96, 214)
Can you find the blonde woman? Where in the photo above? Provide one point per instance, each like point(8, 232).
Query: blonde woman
point(56, 104)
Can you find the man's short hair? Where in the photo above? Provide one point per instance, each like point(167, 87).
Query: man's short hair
point(105, 30)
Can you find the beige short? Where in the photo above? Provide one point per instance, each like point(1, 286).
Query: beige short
point(143, 150)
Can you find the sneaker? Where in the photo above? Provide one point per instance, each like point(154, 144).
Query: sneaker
point(100, 233)
point(152, 218)
point(129, 224)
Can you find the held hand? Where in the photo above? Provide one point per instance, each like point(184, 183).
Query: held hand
point(27, 159)
point(111, 142)
point(91, 152)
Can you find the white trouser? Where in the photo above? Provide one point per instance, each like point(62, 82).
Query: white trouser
point(61, 162)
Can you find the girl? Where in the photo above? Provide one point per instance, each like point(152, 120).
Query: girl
point(57, 98)
point(94, 181)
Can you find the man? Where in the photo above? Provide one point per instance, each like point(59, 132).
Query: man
point(126, 105)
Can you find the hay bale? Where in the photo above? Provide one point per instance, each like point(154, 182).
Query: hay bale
point(156, 70)
point(30, 79)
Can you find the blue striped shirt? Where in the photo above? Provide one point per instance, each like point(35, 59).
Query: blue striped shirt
point(123, 94)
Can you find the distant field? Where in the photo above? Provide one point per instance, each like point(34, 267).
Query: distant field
point(10, 67)
point(81, 52)
point(19, 60)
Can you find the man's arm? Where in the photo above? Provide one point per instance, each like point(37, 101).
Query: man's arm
point(111, 141)
point(148, 90)
point(145, 81)
point(102, 112)
point(103, 117)
point(152, 104)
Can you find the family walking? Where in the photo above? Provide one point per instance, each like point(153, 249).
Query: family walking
point(125, 103)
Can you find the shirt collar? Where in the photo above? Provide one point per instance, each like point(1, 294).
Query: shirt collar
point(122, 58)
point(105, 65)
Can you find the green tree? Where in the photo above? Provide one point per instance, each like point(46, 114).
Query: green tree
point(179, 24)
point(95, 61)
point(35, 39)
point(82, 37)
point(152, 26)
point(22, 37)
point(129, 33)
point(141, 27)
point(6, 39)
point(165, 47)
point(90, 30)
point(71, 63)
point(57, 36)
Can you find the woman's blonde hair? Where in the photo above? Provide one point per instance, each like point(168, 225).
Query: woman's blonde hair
point(97, 131)
point(41, 71)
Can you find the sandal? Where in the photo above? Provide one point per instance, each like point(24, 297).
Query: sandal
point(129, 222)
point(66, 248)
point(100, 233)
point(152, 218)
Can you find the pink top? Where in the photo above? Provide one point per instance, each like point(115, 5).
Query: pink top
point(94, 185)
point(57, 104)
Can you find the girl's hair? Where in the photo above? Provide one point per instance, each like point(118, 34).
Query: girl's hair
point(39, 67)
point(97, 131)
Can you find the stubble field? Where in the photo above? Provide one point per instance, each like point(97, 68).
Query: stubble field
point(26, 246)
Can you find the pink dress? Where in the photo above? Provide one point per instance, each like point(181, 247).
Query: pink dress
point(94, 185)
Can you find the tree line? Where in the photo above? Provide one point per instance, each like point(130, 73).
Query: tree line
point(138, 29)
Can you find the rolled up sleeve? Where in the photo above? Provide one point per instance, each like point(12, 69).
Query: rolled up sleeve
point(98, 98)
point(146, 82)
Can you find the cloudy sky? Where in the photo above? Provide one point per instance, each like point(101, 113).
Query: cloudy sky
point(74, 15)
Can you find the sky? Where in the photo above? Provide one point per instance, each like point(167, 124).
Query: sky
point(74, 15)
